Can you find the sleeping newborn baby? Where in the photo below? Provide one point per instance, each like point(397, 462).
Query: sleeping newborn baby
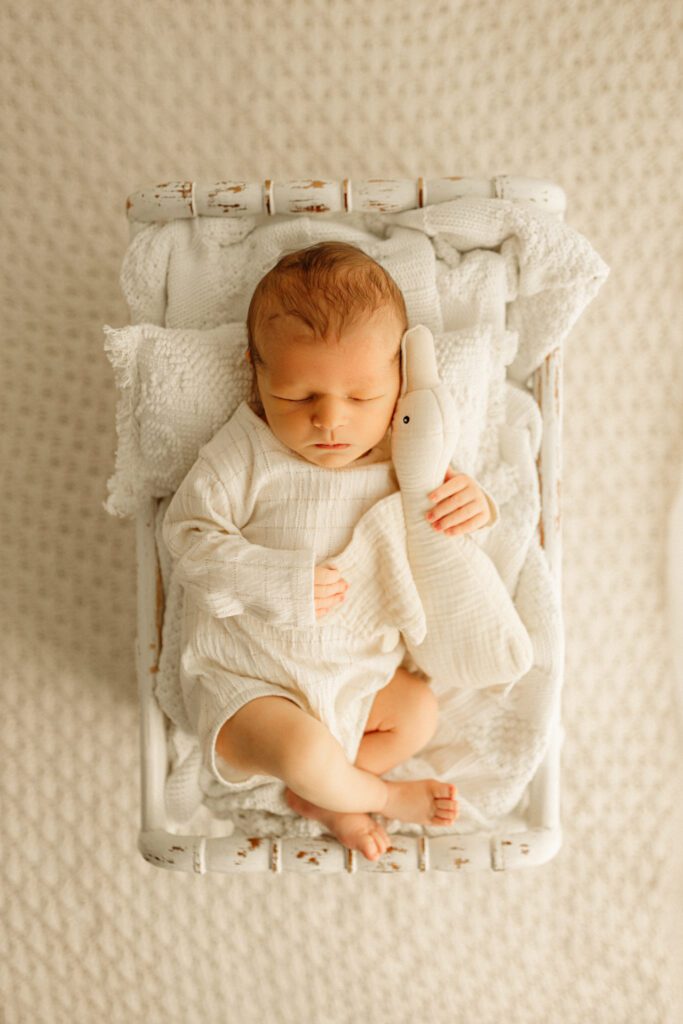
point(274, 682)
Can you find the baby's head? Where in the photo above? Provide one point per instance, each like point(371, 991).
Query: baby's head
point(325, 328)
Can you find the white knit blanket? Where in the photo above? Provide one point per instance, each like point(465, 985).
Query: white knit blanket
point(460, 265)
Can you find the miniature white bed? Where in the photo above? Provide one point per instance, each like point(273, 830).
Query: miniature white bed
point(531, 834)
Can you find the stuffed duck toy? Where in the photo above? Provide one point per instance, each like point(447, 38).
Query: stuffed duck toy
point(474, 635)
point(442, 594)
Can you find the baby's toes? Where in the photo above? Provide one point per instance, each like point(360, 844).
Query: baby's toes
point(370, 847)
point(445, 815)
point(445, 805)
point(381, 840)
point(445, 796)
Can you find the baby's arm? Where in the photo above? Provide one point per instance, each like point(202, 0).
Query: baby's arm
point(224, 573)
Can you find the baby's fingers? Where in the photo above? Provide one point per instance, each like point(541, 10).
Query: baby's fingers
point(453, 483)
point(325, 604)
point(326, 574)
point(327, 580)
point(330, 589)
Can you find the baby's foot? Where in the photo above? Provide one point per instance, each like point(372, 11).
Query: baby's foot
point(424, 802)
point(356, 831)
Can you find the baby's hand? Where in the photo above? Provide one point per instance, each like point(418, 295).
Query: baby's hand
point(329, 589)
point(460, 505)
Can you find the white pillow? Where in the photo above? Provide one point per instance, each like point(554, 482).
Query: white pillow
point(178, 386)
point(473, 362)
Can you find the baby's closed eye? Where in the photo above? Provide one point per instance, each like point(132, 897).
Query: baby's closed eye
point(310, 398)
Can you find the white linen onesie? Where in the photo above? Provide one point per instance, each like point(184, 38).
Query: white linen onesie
point(247, 526)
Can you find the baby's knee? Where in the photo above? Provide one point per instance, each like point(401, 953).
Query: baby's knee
point(408, 704)
point(274, 736)
point(252, 739)
point(425, 709)
point(416, 708)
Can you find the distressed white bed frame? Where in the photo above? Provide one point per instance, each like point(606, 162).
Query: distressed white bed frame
point(532, 834)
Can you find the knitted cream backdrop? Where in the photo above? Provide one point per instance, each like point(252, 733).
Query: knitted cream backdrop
point(98, 99)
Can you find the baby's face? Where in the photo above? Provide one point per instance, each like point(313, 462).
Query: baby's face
point(318, 393)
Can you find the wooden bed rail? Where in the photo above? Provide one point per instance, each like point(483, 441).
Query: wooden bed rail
point(180, 199)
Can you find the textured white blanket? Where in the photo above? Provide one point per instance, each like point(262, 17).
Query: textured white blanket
point(474, 262)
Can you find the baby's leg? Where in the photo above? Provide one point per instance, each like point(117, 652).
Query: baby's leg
point(402, 719)
point(273, 736)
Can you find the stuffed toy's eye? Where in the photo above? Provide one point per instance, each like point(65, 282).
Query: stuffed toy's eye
point(406, 419)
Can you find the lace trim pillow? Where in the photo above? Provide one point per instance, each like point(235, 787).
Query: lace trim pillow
point(178, 386)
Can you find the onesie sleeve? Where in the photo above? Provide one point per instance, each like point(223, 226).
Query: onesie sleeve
point(493, 509)
point(224, 573)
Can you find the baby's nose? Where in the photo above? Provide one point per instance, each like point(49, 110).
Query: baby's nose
point(328, 413)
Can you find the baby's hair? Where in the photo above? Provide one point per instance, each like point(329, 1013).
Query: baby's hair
point(327, 286)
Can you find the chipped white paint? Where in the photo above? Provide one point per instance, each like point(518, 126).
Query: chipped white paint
point(178, 199)
point(199, 854)
point(519, 842)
